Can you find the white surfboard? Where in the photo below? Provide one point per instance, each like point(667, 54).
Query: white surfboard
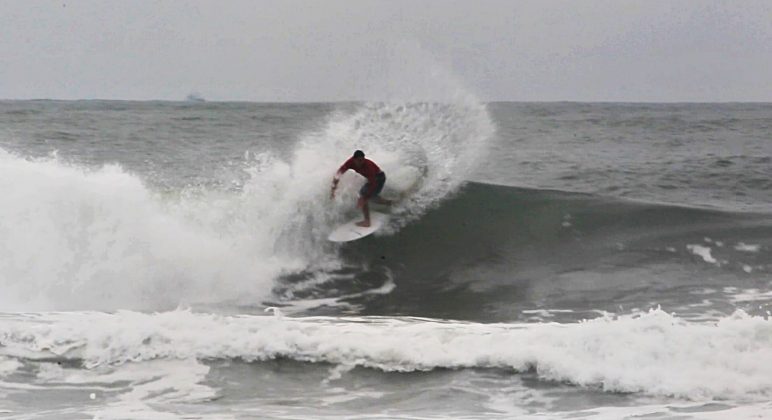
point(349, 231)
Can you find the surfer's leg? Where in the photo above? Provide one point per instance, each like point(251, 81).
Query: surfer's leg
point(366, 213)
point(378, 188)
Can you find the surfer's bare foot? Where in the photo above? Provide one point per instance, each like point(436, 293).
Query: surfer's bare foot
point(364, 223)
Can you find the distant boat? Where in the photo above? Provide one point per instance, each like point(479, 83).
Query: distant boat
point(195, 97)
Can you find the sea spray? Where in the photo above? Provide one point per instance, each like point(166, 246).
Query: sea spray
point(444, 141)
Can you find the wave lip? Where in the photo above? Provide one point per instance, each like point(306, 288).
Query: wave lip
point(652, 353)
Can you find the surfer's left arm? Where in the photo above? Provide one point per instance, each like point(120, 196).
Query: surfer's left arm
point(335, 180)
point(343, 168)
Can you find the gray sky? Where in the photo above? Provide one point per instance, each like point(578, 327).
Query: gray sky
point(316, 50)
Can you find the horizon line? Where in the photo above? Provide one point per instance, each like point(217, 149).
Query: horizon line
point(352, 101)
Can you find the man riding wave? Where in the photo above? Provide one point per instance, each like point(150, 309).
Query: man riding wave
point(371, 190)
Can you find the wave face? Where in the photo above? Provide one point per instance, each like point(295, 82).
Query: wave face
point(490, 252)
point(712, 155)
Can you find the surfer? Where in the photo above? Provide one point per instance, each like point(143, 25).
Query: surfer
point(375, 181)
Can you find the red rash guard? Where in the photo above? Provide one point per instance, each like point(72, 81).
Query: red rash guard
point(368, 170)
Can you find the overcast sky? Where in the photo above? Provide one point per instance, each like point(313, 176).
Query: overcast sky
point(318, 50)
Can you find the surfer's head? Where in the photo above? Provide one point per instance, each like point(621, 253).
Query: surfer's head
point(359, 158)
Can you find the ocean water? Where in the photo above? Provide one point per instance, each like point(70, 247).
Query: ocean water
point(163, 260)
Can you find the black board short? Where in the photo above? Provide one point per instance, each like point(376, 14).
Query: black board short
point(380, 180)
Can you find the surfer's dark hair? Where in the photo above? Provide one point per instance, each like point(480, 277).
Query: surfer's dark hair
point(359, 153)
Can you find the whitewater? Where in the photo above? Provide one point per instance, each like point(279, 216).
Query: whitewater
point(560, 260)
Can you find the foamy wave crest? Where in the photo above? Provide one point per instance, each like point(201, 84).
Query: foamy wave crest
point(72, 237)
point(653, 353)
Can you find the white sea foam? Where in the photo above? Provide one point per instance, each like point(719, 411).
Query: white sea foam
point(701, 411)
point(158, 383)
point(743, 247)
point(749, 295)
point(8, 366)
point(702, 251)
point(653, 353)
point(78, 238)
